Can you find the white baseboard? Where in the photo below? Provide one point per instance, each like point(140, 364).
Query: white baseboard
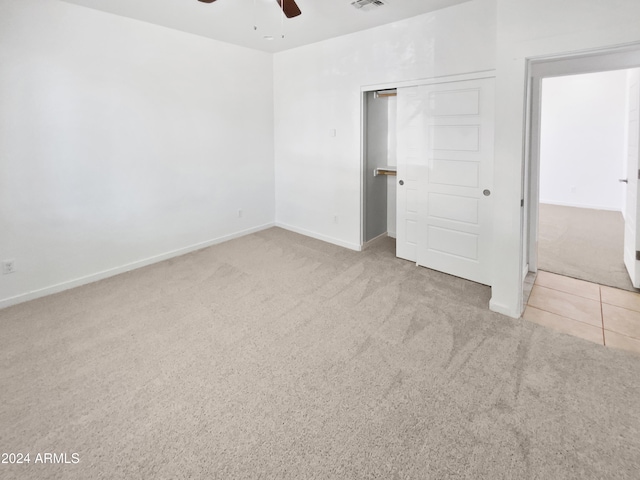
point(60, 287)
point(576, 205)
point(504, 310)
point(382, 235)
point(318, 236)
point(370, 242)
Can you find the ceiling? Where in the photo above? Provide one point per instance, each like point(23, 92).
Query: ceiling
point(233, 21)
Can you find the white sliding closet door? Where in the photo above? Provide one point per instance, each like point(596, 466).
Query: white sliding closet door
point(447, 163)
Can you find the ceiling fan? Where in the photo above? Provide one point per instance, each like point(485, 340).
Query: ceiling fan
point(289, 7)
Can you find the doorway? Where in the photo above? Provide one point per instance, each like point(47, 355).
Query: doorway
point(582, 162)
point(550, 71)
point(379, 172)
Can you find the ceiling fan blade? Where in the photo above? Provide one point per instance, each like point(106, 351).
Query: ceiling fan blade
point(289, 8)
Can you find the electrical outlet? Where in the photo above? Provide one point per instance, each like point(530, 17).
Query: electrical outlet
point(8, 266)
point(573, 189)
point(240, 213)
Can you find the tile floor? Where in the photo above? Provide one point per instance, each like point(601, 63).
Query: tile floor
point(604, 315)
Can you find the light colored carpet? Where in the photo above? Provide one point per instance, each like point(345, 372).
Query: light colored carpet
point(276, 356)
point(583, 243)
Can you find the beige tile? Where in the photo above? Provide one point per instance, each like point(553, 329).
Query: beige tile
point(569, 285)
point(566, 305)
point(616, 340)
point(620, 298)
point(563, 324)
point(621, 320)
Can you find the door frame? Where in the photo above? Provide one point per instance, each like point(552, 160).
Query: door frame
point(364, 89)
point(592, 61)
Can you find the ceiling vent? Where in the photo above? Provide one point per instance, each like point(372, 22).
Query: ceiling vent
point(365, 5)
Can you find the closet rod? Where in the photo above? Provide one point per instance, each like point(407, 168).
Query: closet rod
point(391, 171)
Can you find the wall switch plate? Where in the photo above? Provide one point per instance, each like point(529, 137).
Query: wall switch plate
point(335, 219)
point(8, 266)
point(239, 213)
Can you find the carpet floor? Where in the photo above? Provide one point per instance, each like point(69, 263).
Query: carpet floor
point(277, 356)
point(583, 243)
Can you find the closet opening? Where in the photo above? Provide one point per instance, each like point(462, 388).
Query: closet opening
point(379, 172)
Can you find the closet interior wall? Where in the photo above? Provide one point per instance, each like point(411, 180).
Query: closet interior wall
point(380, 191)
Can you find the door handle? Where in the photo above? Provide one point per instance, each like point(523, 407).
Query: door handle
point(401, 182)
point(623, 180)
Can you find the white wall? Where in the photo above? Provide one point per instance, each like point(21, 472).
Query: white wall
point(122, 142)
point(526, 29)
point(317, 89)
point(582, 145)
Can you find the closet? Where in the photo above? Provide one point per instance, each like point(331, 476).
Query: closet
point(428, 173)
point(380, 164)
